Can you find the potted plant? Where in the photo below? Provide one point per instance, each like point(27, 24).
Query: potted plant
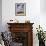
point(41, 36)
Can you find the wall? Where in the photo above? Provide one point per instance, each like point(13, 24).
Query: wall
point(33, 13)
point(43, 14)
point(0, 15)
point(43, 6)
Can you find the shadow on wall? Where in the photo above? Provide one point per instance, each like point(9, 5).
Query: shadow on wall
point(43, 6)
point(0, 15)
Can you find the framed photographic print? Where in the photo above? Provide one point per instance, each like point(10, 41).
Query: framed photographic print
point(20, 9)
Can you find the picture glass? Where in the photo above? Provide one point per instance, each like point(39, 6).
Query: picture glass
point(20, 9)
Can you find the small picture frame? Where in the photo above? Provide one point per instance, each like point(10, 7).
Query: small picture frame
point(20, 9)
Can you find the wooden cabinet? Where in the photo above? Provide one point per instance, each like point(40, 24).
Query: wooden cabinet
point(22, 33)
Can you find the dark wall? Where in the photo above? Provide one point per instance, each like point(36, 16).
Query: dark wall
point(0, 15)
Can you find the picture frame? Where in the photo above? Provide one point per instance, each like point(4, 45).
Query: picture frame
point(20, 9)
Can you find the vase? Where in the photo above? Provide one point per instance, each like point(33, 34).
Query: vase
point(41, 43)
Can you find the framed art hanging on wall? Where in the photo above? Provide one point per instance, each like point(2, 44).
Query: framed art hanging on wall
point(20, 9)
